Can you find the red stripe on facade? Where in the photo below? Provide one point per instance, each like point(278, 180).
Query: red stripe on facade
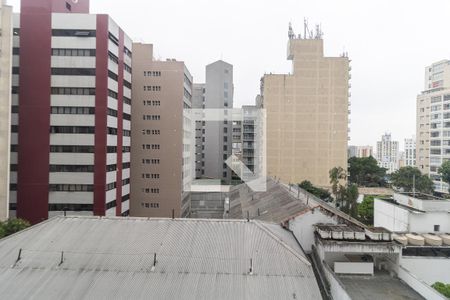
point(34, 111)
point(101, 105)
point(120, 124)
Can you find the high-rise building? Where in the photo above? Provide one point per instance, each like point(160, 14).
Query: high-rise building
point(433, 122)
point(352, 151)
point(410, 152)
point(160, 156)
point(360, 151)
point(214, 138)
point(388, 154)
point(5, 104)
point(71, 112)
point(307, 113)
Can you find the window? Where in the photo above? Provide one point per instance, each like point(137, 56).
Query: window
point(126, 165)
point(70, 207)
point(111, 168)
point(66, 110)
point(113, 39)
point(73, 52)
point(127, 52)
point(126, 100)
point(113, 76)
point(71, 168)
point(127, 68)
point(113, 94)
point(111, 186)
point(112, 131)
point(73, 71)
point(111, 204)
point(126, 116)
point(152, 73)
point(126, 133)
point(111, 149)
point(152, 88)
point(71, 188)
point(15, 70)
point(113, 58)
point(151, 117)
point(127, 84)
point(74, 32)
point(126, 181)
point(72, 129)
point(73, 91)
point(437, 228)
point(72, 149)
point(111, 112)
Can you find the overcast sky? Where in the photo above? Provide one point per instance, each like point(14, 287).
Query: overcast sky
point(389, 42)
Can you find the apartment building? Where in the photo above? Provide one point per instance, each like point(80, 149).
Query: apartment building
point(214, 138)
point(307, 113)
point(433, 122)
point(5, 105)
point(410, 152)
point(161, 156)
point(71, 112)
point(388, 154)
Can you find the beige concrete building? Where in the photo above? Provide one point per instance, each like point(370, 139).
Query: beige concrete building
point(307, 114)
point(5, 104)
point(160, 159)
point(433, 123)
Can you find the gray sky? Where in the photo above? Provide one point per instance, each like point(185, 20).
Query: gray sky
point(389, 42)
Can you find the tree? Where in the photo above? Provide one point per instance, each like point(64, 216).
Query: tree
point(318, 192)
point(351, 201)
point(365, 171)
point(12, 226)
point(337, 174)
point(404, 178)
point(442, 288)
point(365, 210)
point(444, 171)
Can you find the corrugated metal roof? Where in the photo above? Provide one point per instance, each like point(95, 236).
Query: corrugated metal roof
point(108, 258)
point(276, 204)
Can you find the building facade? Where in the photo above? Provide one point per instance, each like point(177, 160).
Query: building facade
point(160, 158)
point(71, 112)
point(360, 151)
point(433, 123)
point(307, 114)
point(214, 138)
point(388, 153)
point(410, 152)
point(5, 105)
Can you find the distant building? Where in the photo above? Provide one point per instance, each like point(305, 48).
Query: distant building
point(71, 151)
point(352, 151)
point(433, 122)
point(410, 152)
point(6, 33)
point(214, 138)
point(360, 151)
point(81, 258)
point(159, 158)
point(388, 153)
point(307, 113)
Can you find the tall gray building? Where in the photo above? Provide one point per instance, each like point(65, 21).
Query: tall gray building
point(214, 138)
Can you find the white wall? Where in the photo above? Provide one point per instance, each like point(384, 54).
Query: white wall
point(302, 227)
point(428, 269)
point(423, 223)
point(390, 216)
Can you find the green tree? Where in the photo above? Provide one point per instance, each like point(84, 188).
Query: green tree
point(365, 210)
point(337, 175)
point(404, 178)
point(442, 288)
point(365, 171)
point(12, 226)
point(351, 200)
point(444, 171)
point(318, 192)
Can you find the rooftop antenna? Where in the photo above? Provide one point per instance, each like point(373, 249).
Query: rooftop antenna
point(291, 33)
point(305, 27)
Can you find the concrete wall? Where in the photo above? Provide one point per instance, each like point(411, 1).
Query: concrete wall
point(302, 227)
point(428, 269)
point(336, 287)
point(5, 105)
point(390, 216)
point(399, 219)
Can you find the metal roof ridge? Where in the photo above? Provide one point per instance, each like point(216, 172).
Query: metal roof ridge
point(280, 241)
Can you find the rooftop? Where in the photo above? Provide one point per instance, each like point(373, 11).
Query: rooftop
point(275, 205)
point(90, 257)
point(380, 286)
